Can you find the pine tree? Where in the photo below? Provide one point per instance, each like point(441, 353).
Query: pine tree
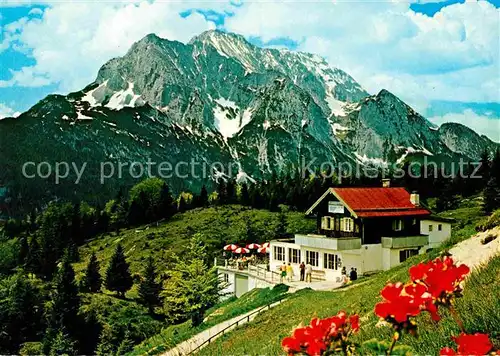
point(491, 196)
point(107, 341)
point(65, 299)
point(32, 262)
point(181, 206)
point(149, 289)
point(203, 196)
point(193, 286)
point(62, 344)
point(495, 166)
point(281, 227)
point(244, 196)
point(23, 250)
point(166, 206)
point(118, 277)
point(92, 280)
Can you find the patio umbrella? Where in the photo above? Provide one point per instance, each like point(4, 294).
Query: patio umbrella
point(263, 250)
point(266, 245)
point(231, 247)
point(241, 250)
point(253, 246)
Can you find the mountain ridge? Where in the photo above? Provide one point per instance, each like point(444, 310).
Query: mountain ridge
point(221, 99)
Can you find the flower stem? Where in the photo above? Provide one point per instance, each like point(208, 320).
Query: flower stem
point(455, 316)
point(395, 338)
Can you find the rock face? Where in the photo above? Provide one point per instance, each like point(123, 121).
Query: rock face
point(216, 99)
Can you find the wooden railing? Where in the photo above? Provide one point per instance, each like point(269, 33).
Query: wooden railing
point(235, 324)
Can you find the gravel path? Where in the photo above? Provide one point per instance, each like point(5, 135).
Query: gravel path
point(473, 253)
point(188, 346)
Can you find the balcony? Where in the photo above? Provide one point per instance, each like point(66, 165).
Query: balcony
point(337, 234)
point(329, 243)
point(405, 241)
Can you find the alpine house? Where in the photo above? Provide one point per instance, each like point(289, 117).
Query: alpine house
point(370, 229)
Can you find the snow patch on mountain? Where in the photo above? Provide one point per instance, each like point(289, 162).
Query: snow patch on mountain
point(124, 98)
point(371, 161)
point(228, 117)
point(96, 96)
point(409, 150)
point(336, 106)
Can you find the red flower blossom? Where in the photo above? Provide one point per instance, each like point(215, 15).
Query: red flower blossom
point(477, 344)
point(354, 321)
point(442, 276)
point(319, 335)
point(400, 302)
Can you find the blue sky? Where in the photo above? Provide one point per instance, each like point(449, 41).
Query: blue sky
point(442, 58)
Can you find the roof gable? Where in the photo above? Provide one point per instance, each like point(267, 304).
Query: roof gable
point(372, 202)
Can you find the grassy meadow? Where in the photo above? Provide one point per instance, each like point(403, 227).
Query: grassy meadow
point(478, 309)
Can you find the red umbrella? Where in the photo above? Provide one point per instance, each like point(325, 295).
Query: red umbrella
point(253, 246)
point(266, 245)
point(241, 250)
point(231, 247)
point(263, 250)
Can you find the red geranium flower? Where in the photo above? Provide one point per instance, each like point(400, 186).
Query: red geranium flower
point(477, 344)
point(398, 305)
point(320, 334)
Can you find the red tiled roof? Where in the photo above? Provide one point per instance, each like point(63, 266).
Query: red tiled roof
point(372, 202)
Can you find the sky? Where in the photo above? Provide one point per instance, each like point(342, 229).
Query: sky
point(440, 57)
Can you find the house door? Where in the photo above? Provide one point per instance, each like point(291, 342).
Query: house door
point(241, 285)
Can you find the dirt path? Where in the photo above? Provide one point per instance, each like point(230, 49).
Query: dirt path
point(473, 253)
point(186, 347)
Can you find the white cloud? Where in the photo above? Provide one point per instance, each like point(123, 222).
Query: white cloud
point(484, 125)
point(70, 41)
point(453, 55)
point(6, 111)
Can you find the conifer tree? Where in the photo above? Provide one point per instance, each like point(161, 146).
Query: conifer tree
point(181, 206)
point(118, 277)
point(32, 262)
point(65, 299)
point(193, 286)
point(62, 344)
point(281, 227)
point(244, 195)
point(23, 250)
point(92, 280)
point(203, 196)
point(491, 196)
point(149, 289)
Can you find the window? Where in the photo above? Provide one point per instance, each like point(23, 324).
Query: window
point(430, 227)
point(327, 223)
point(346, 224)
point(397, 225)
point(293, 255)
point(331, 261)
point(312, 258)
point(405, 254)
point(226, 278)
point(279, 253)
point(440, 227)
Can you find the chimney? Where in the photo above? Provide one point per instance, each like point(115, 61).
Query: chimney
point(386, 183)
point(415, 198)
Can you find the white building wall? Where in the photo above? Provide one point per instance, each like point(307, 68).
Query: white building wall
point(436, 237)
point(371, 257)
point(390, 258)
point(231, 278)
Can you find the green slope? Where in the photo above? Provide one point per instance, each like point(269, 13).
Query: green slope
point(219, 226)
point(479, 308)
